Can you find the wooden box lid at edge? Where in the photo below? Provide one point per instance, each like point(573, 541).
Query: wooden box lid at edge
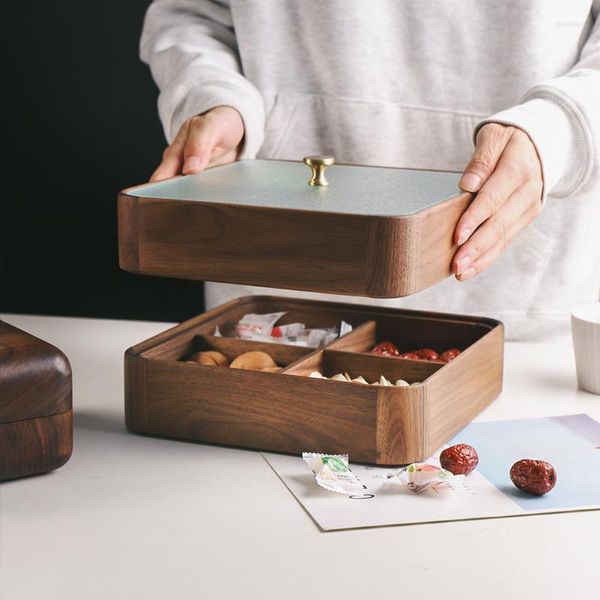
point(36, 426)
point(221, 232)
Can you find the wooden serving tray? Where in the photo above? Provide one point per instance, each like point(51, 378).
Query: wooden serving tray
point(36, 422)
point(373, 231)
point(289, 412)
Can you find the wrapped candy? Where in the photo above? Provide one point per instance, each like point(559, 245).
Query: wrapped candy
point(332, 472)
point(263, 328)
point(252, 325)
point(420, 476)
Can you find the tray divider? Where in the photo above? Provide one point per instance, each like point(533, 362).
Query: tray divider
point(305, 365)
point(360, 339)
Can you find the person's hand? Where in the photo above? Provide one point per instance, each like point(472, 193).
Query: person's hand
point(210, 139)
point(506, 173)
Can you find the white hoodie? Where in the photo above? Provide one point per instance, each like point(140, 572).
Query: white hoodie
point(406, 83)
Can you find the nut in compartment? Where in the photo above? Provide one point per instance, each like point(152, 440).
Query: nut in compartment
point(363, 369)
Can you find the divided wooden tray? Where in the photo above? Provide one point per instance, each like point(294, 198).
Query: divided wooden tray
point(287, 411)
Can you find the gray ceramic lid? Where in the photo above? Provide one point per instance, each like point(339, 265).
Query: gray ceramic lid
point(356, 190)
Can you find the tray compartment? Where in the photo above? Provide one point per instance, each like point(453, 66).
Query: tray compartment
point(287, 412)
point(371, 367)
point(296, 311)
point(413, 332)
point(282, 354)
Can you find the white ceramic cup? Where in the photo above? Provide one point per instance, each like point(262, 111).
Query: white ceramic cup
point(585, 326)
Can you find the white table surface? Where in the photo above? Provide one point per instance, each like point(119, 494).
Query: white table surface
point(136, 517)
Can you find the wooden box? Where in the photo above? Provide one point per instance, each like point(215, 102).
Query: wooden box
point(287, 411)
point(372, 231)
point(36, 428)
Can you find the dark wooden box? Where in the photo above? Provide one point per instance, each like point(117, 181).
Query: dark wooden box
point(287, 411)
point(373, 231)
point(36, 427)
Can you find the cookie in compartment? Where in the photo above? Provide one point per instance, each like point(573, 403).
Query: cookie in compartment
point(232, 349)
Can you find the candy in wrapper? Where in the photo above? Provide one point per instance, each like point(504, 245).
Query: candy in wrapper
point(420, 476)
point(263, 328)
point(287, 331)
point(333, 473)
point(252, 324)
point(345, 328)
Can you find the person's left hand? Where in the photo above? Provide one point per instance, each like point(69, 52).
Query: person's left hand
point(506, 174)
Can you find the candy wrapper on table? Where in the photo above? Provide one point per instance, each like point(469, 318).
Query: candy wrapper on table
point(333, 473)
point(420, 476)
point(263, 328)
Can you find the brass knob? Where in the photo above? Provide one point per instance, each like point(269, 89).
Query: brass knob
point(318, 165)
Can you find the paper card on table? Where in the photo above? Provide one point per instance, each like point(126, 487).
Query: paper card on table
point(571, 443)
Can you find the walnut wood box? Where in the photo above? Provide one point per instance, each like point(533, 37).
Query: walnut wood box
point(373, 231)
point(287, 411)
point(36, 428)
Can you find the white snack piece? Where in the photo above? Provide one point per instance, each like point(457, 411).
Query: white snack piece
point(338, 377)
point(345, 377)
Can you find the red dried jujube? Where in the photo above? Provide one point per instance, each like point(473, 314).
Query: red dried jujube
point(449, 355)
point(460, 459)
point(385, 349)
point(536, 477)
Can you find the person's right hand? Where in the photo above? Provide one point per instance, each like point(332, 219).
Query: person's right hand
point(213, 138)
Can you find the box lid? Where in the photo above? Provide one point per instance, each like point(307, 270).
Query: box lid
point(371, 231)
point(351, 190)
point(35, 377)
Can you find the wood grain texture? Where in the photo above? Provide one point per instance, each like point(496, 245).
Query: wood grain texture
point(435, 240)
point(35, 446)
point(289, 412)
point(338, 253)
point(127, 215)
point(36, 433)
point(400, 429)
point(35, 377)
point(455, 395)
point(252, 246)
point(393, 257)
point(259, 410)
